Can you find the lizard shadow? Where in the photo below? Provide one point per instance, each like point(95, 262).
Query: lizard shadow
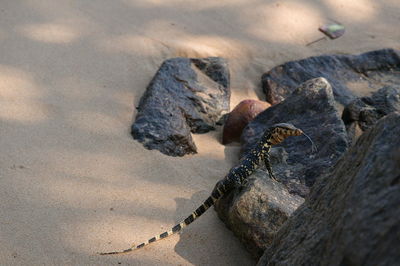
point(205, 232)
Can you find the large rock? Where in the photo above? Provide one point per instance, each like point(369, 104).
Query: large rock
point(257, 211)
point(352, 215)
point(311, 108)
point(346, 73)
point(363, 113)
point(186, 95)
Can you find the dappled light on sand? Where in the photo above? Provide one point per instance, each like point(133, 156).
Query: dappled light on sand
point(50, 33)
point(73, 182)
point(205, 46)
point(360, 11)
point(20, 97)
point(288, 21)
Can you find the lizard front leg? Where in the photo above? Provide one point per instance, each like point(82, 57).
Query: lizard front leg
point(241, 182)
point(244, 183)
point(269, 168)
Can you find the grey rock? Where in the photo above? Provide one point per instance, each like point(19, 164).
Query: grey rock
point(214, 67)
point(371, 69)
point(186, 95)
point(311, 108)
point(352, 214)
point(352, 111)
point(366, 111)
point(255, 212)
point(385, 100)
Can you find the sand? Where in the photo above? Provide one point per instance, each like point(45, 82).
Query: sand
point(72, 180)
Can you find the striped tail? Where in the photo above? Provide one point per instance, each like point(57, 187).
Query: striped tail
point(177, 228)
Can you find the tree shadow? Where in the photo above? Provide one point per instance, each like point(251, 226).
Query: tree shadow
point(70, 77)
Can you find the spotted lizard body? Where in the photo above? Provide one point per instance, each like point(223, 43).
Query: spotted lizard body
point(236, 177)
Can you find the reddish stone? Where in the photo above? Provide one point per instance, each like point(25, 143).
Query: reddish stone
point(240, 116)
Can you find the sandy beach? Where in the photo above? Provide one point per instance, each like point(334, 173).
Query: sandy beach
point(73, 182)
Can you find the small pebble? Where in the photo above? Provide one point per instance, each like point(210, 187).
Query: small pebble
point(240, 116)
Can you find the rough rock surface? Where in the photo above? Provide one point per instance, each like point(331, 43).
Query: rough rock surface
point(363, 113)
point(186, 95)
point(240, 116)
point(346, 73)
point(257, 211)
point(352, 215)
point(311, 108)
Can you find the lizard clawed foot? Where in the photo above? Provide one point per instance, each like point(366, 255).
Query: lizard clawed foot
point(244, 183)
point(240, 183)
point(272, 176)
point(237, 183)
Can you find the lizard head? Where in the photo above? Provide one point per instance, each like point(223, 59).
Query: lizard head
point(284, 130)
point(279, 132)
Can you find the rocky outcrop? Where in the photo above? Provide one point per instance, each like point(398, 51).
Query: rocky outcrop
point(311, 108)
point(257, 211)
point(186, 95)
point(352, 215)
point(240, 116)
point(346, 74)
point(363, 113)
